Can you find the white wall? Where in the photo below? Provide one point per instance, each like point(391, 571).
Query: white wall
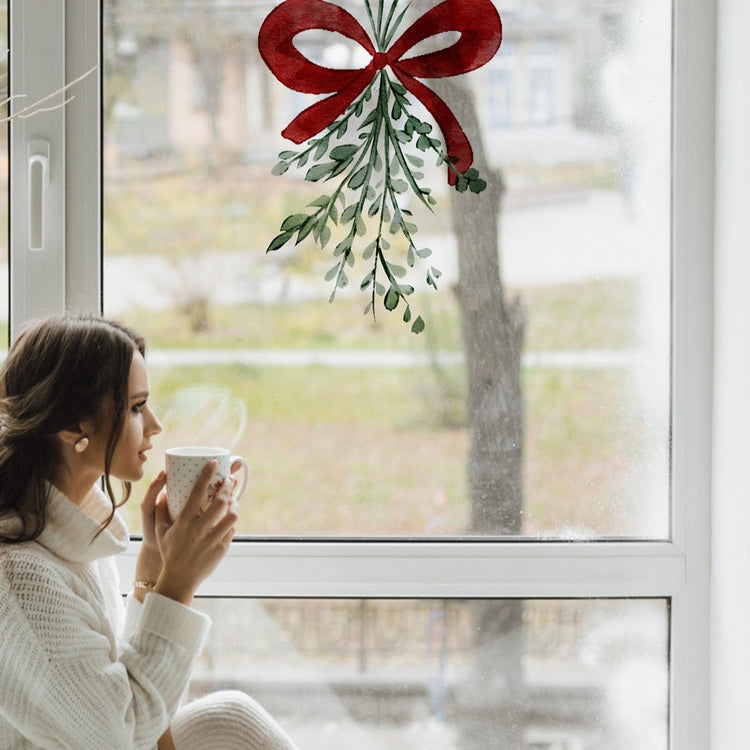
point(730, 683)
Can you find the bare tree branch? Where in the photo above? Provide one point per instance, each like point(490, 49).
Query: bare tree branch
point(36, 108)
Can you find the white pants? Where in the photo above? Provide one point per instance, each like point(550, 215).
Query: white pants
point(227, 720)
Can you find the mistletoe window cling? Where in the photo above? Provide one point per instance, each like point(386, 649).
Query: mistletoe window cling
point(371, 176)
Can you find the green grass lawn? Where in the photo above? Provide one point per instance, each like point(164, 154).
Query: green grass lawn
point(361, 453)
point(592, 315)
point(383, 451)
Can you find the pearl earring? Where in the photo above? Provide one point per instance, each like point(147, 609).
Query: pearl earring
point(81, 445)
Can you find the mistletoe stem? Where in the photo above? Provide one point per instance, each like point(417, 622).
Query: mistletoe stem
point(389, 32)
point(369, 148)
point(388, 273)
point(400, 154)
point(342, 184)
point(380, 23)
point(375, 26)
point(381, 221)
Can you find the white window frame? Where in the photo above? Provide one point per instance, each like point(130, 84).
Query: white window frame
point(45, 32)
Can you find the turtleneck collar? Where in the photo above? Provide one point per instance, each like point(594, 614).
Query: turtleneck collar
point(75, 533)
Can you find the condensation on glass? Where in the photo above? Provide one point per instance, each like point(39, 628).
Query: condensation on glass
point(444, 674)
point(354, 426)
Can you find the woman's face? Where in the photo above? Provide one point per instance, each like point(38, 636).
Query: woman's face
point(140, 426)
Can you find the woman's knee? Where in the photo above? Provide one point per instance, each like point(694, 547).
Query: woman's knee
point(229, 718)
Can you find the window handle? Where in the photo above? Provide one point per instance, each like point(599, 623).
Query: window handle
point(38, 182)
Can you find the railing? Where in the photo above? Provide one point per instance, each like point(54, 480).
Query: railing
point(381, 662)
point(368, 634)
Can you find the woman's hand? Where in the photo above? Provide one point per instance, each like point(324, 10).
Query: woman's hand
point(148, 565)
point(193, 545)
point(148, 511)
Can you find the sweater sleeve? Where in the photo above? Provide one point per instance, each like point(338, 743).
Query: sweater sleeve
point(133, 610)
point(63, 683)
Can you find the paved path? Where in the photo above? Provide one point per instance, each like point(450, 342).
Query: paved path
point(586, 236)
point(354, 358)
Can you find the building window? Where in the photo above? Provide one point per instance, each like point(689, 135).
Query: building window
point(541, 96)
point(500, 93)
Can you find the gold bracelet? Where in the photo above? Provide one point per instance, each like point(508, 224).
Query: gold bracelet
point(148, 585)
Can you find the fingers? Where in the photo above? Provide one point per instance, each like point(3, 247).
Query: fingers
point(218, 507)
point(161, 515)
point(200, 490)
point(241, 483)
point(149, 499)
point(225, 527)
point(226, 540)
point(217, 523)
point(148, 509)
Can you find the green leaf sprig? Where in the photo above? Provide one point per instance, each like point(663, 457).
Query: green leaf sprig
point(375, 176)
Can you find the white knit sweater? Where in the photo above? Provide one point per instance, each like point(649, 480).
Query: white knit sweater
point(77, 670)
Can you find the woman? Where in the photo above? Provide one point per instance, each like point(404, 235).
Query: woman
point(78, 669)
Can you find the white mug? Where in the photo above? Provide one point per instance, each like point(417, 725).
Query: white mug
point(184, 466)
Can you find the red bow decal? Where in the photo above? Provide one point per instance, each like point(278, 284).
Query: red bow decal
point(477, 21)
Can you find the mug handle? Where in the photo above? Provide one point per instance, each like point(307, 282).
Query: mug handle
point(245, 475)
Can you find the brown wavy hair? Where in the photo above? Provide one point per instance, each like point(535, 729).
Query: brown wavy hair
point(58, 373)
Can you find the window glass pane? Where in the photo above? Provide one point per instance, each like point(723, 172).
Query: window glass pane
point(536, 400)
point(436, 674)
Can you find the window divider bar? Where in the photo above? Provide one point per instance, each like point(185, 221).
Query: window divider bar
point(449, 569)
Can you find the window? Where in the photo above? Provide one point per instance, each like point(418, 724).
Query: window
point(185, 228)
point(360, 515)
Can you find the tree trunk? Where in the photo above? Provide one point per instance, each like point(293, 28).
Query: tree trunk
point(493, 704)
point(493, 331)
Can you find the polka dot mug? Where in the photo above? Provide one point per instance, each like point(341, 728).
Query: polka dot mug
point(184, 465)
